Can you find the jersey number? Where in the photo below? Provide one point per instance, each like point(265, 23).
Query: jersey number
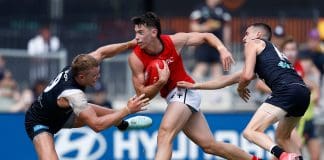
point(56, 80)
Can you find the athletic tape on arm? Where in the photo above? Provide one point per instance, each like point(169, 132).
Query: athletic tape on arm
point(77, 99)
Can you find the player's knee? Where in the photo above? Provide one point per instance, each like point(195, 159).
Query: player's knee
point(213, 148)
point(164, 135)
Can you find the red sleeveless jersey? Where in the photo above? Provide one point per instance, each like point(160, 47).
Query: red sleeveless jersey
point(172, 58)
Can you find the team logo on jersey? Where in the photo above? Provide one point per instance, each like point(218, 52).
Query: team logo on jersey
point(169, 60)
point(80, 143)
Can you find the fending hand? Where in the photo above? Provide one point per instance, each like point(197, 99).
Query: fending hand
point(137, 103)
point(244, 93)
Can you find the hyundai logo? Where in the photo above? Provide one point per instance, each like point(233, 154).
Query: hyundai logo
point(80, 144)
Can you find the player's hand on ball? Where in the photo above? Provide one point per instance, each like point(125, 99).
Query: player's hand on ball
point(184, 84)
point(137, 103)
point(164, 73)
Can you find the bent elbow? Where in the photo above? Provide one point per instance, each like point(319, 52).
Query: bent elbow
point(97, 127)
point(247, 77)
point(208, 36)
point(140, 92)
point(148, 94)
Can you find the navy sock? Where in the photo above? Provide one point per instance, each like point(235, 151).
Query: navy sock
point(123, 125)
point(276, 151)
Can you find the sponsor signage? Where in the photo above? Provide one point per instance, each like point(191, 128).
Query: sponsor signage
point(85, 144)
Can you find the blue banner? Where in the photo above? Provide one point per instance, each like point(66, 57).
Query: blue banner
point(83, 143)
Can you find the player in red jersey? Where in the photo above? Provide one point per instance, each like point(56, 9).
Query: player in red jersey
point(182, 113)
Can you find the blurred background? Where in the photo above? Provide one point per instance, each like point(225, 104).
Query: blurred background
point(39, 37)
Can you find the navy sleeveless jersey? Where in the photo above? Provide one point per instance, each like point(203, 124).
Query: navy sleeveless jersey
point(45, 109)
point(274, 68)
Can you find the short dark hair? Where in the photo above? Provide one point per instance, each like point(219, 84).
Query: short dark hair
point(266, 28)
point(83, 62)
point(150, 19)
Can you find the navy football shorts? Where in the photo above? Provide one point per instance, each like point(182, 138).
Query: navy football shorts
point(293, 98)
point(32, 126)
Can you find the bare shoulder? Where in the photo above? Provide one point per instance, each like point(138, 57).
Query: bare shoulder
point(95, 54)
point(184, 36)
point(178, 35)
point(256, 44)
point(134, 62)
point(133, 59)
point(179, 38)
point(259, 42)
point(131, 56)
point(260, 45)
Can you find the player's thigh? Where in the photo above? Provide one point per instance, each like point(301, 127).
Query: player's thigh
point(44, 145)
point(175, 117)
point(197, 129)
point(265, 115)
point(285, 127)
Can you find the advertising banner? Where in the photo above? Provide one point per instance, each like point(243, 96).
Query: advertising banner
point(111, 144)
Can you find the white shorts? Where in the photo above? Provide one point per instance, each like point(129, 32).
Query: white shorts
point(189, 97)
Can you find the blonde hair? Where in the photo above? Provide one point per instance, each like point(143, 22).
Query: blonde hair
point(83, 62)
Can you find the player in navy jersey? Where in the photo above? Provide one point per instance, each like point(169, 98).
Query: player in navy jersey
point(289, 98)
point(63, 103)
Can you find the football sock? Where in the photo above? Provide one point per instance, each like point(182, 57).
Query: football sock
point(276, 151)
point(123, 125)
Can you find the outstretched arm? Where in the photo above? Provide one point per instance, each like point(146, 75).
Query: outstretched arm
point(99, 123)
point(95, 116)
point(194, 38)
point(112, 50)
point(217, 83)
